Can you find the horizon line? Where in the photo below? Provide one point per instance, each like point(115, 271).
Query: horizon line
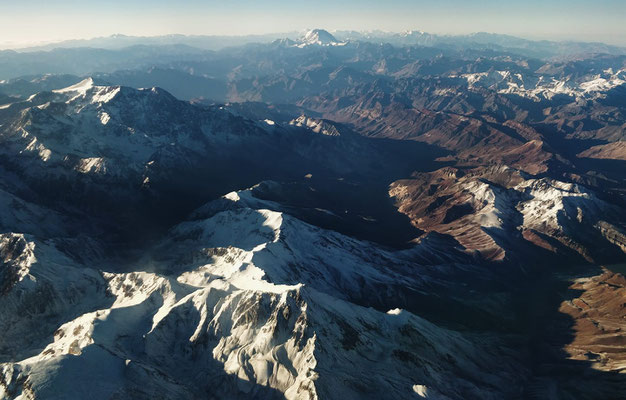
point(16, 46)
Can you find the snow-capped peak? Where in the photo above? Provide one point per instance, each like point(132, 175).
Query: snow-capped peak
point(97, 94)
point(319, 37)
point(81, 87)
point(413, 33)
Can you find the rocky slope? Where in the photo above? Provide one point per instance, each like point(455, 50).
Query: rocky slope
point(598, 313)
point(246, 303)
point(497, 210)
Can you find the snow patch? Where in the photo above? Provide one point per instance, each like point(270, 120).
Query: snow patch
point(421, 390)
point(105, 118)
point(315, 125)
point(91, 164)
point(43, 152)
point(105, 94)
point(541, 87)
point(81, 87)
point(232, 196)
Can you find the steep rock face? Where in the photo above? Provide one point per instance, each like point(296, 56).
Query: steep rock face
point(41, 288)
point(17, 255)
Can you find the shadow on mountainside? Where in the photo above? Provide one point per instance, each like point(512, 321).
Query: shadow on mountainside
point(553, 374)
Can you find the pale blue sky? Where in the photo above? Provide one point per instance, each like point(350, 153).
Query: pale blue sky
point(28, 21)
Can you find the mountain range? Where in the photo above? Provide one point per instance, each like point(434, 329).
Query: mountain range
point(346, 215)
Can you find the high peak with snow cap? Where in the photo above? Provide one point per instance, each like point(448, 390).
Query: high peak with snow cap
point(318, 37)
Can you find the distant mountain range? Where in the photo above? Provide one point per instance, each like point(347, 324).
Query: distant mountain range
point(119, 41)
point(480, 40)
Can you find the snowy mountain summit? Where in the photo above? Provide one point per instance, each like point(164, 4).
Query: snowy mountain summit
point(319, 37)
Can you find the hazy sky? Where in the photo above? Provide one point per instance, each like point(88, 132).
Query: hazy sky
point(29, 21)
